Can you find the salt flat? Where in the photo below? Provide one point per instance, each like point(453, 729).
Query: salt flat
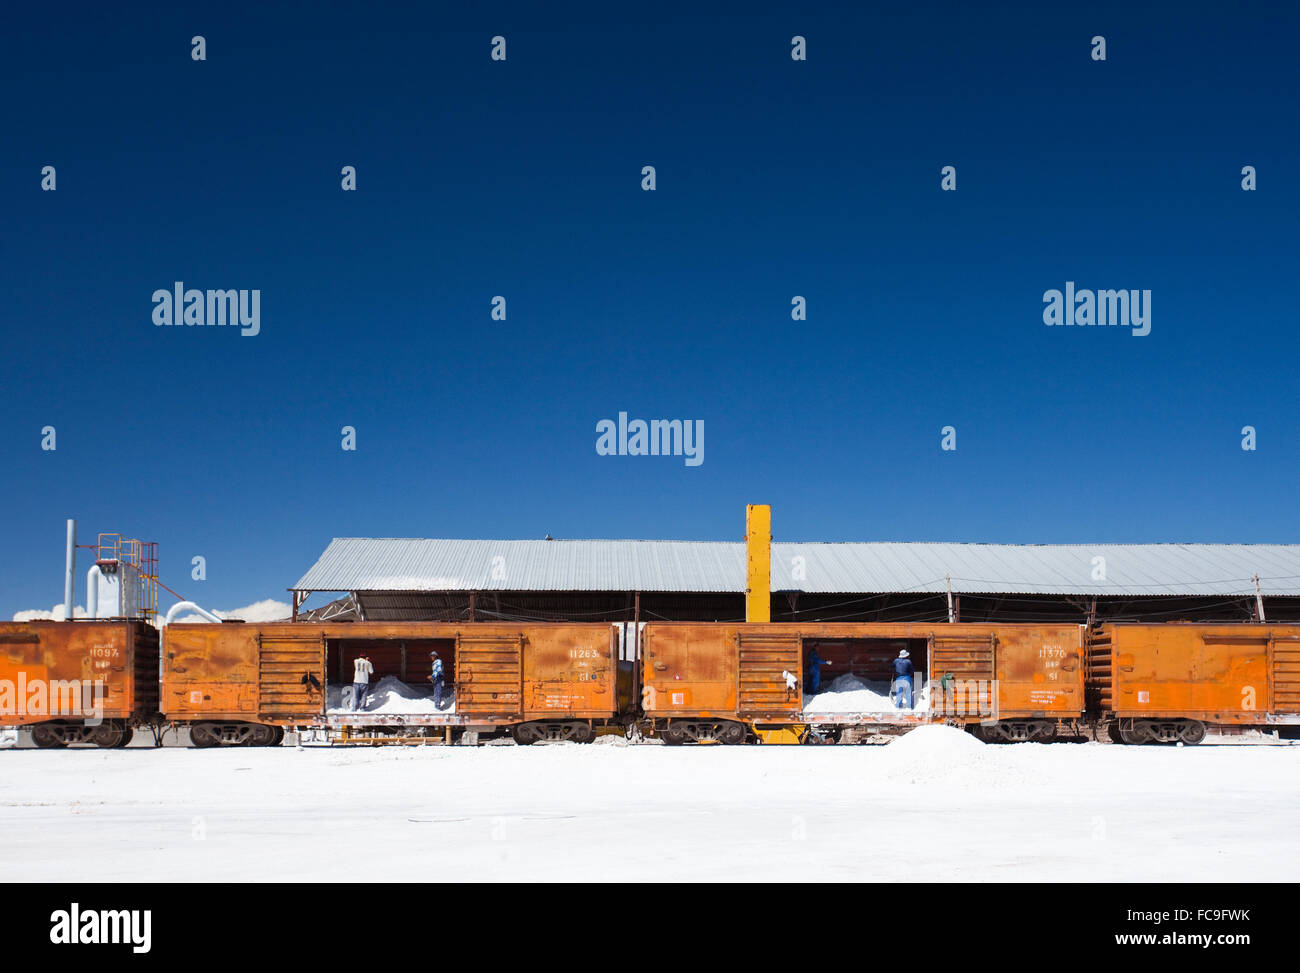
point(935, 805)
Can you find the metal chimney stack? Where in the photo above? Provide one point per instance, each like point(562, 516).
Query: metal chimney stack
point(69, 579)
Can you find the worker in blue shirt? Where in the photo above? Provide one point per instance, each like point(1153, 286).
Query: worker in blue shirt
point(435, 677)
point(902, 687)
point(813, 672)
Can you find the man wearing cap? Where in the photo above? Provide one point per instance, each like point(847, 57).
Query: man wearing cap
point(902, 688)
point(361, 681)
point(435, 677)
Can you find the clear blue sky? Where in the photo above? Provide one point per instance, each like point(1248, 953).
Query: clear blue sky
point(523, 179)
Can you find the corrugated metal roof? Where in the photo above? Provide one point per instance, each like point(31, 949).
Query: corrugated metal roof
point(412, 564)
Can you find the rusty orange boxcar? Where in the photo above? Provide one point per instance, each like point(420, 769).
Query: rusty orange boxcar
point(712, 682)
point(78, 682)
point(1168, 682)
point(243, 683)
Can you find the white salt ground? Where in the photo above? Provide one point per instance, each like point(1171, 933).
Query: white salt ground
point(851, 694)
point(391, 695)
point(932, 806)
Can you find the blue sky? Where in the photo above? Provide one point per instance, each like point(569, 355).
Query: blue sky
point(522, 178)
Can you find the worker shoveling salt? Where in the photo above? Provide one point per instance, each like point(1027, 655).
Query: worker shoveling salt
point(390, 695)
point(853, 694)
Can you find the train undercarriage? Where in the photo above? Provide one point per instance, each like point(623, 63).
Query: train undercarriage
point(1131, 731)
point(235, 734)
point(110, 734)
point(1138, 731)
point(676, 732)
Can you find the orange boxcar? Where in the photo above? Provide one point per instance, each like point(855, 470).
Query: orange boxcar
point(79, 681)
point(711, 682)
point(1167, 682)
point(242, 683)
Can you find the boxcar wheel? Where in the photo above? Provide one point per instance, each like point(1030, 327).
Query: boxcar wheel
point(109, 736)
point(204, 735)
point(47, 738)
point(673, 737)
point(1139, 734)
point(1193, 732)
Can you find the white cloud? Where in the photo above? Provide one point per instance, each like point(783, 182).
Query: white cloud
point(56, 613)
point(266, 610)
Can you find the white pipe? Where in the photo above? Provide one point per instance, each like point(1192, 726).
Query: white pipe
point(69, 577)
point(180, 606)
point(92, 591)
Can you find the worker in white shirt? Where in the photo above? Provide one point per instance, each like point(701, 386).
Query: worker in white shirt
point(361, 670)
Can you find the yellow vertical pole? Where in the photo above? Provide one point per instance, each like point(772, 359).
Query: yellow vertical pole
point(758, 562)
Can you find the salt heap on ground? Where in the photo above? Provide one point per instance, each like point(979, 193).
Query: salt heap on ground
point(391, 695)
point(936, 740)
point(946, 756)
point(851, 694)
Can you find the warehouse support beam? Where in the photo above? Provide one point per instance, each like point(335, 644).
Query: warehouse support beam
point(758, 562)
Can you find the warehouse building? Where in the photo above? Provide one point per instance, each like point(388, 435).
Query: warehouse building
point(383, 579)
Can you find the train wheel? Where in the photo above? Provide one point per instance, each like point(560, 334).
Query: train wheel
point(583, 733)
point(673, 736)
point(1138, 732)
point(1193, 732)
point(524, 734)
point(1044, 731)
point(1112, 731)
point(260, 735)
point(109, 736)
point(48, 737)
point(204, 735)
point(278, 738)
point(128, 734)
point(733, 733)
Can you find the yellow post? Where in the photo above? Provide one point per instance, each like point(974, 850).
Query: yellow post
point(758, 562)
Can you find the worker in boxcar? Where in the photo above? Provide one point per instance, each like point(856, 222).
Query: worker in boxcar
point(435, 677)
point(361, 670)
point(812, 679)
point(902, 688)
